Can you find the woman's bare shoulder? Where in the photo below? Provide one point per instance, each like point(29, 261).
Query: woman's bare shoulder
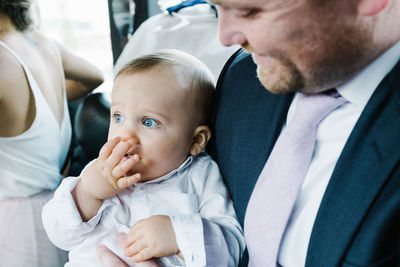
point(11, 73)
point(9, 65)
point(42, 42)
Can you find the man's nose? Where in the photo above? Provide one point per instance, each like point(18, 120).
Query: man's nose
point(229, 29)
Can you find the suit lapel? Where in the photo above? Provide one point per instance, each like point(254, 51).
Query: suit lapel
point(244, 139)
point(368, 157)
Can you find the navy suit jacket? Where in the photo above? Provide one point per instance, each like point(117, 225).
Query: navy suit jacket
point(358, 222)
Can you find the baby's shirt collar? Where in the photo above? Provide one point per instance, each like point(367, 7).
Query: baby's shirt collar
point(180, 170)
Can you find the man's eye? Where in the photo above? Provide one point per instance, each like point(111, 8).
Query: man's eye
point(251, 13)
point(118, 118)
point(148, 122)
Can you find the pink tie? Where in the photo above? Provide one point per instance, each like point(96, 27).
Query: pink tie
point(275, 192)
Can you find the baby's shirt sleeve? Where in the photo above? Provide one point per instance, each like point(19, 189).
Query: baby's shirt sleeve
point(61, 218)
point(213, 237)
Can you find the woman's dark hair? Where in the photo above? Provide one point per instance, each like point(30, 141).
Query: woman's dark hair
point(17, 11)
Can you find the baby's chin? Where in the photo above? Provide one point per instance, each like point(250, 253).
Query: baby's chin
point(147, 175)
point(144, 178)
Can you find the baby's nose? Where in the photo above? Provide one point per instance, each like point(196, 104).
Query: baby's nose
point(128, 134)
point(133, 139)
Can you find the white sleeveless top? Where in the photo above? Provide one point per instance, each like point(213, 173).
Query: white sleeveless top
point(31, 162)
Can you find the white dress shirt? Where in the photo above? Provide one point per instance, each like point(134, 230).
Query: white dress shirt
point(332, 135)
point(194, 196)
point(193, 30)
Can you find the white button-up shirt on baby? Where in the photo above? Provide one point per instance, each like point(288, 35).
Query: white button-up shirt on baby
point(194, 196)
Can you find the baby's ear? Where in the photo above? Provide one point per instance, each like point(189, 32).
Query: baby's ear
point(201, 136)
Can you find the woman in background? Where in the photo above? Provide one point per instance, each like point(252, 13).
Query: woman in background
point(35, 131)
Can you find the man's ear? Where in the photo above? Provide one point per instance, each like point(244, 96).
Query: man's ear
point(201, 136)
point(371, 7)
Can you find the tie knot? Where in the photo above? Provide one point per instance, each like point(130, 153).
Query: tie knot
point(312, 108)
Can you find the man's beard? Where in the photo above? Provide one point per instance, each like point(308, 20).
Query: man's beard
point(339, 59)
point(281, 76)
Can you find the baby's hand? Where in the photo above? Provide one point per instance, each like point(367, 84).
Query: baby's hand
point(151, 237)
point(106, 175)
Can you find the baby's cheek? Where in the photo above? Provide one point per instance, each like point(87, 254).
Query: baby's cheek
point(147, 168)
point(153, 169)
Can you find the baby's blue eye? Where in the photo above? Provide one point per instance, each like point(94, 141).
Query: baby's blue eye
point(150, 122)
point(118, 118)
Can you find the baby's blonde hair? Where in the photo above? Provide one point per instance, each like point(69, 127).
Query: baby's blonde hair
point(190, 73)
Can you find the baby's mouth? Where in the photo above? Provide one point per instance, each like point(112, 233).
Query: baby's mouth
point(128, 156)
point(130, 153)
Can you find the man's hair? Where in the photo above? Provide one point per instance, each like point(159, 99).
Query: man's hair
point(17, 11)
point(190, 73)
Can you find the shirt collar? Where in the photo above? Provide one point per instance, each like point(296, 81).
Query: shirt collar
point(178, 171)
point(370, 77)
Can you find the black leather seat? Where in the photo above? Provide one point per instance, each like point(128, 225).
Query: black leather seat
point(90, 120)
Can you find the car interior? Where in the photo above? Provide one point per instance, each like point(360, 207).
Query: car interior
point(90, 115)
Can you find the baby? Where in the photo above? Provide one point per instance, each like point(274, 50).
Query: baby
point(152, 179)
